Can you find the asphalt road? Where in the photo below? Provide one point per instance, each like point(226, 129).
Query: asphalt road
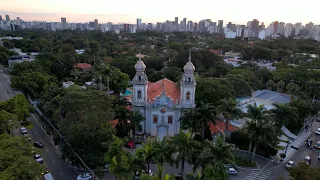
point(57, 167)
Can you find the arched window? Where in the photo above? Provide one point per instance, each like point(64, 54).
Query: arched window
point(188, 96)
point(139, 94)
point(189, 79)
point(139, 78)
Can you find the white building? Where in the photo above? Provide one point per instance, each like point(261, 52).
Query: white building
point(161, 102)
point(262, 34)
point(18, 59)
point(288, 30)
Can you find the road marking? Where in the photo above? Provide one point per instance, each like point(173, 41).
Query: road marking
point(61, 173)
point(53, 161)
point(258, 175)
point(47, 150)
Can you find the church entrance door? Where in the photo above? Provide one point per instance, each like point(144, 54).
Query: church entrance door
point(162, 132)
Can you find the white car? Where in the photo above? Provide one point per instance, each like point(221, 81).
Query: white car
point(85, 176)
point(290, 164)
point(307, 159)
point(24, 130)
point(317, 132)
point(38, 158)
point(232, 171)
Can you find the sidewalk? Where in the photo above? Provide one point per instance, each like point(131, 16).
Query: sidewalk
point(303, 135)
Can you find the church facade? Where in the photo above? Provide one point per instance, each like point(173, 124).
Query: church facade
point(162, 102)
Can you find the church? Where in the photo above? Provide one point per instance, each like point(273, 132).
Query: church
point(162, 102)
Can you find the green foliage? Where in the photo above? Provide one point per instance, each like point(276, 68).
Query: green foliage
point(18, 105)
point(85, 116)
point(304, 171)
point(31, 83)
point(14, 159)
point(242, 161)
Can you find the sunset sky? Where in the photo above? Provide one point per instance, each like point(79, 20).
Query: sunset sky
point(116, 11)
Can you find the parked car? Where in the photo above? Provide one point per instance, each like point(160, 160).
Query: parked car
point(38, 144)
point(232, 171)
point(319, 157)
point(317, 145)
point(318, 119)
point(85, 176)
point(24, 130)
point(38, 158)
point(307, 159)
point(317, 132)
point(290, 164)
point(308, 142)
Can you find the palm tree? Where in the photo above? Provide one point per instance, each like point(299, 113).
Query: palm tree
point(255, 113)
point(148, 152)
point(217, 154)
point(189, 120)
point(163, 154)
point(184, 146)
point(120, 167)
point(229, 110)
point(284, 114)
point(134, 122)
point(207, 113)
point(260, 128)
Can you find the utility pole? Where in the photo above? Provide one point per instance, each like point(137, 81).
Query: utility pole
point(100, 83)
point(108, 85)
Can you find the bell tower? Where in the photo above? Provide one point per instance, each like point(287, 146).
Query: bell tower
point(188, 85)
point(140, 84)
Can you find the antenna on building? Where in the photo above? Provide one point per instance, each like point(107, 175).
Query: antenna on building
point(189, 56)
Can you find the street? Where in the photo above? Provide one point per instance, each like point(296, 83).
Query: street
point(56, 166)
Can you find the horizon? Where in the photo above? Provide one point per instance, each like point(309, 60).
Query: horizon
point(84, 11)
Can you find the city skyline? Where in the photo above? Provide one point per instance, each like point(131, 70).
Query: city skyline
point(115, 12)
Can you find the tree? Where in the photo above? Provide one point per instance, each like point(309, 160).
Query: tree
point(270, 85)
point(260, 128)
point(134, 122)
point(147, 152)
point(305, 172)
point(207, 113)
point(239, 85)
point(280, 86)
point(17, 105)
point(229, 110)
point(217, 154)
point(292, 88)
point(190, 121)
point(32, 83)
point(184, 145)
point(158, 175)
point(14, 159)
point(84, 124)
point(284, 114)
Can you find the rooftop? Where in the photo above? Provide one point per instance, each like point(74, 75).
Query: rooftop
point(220, 127)
point(83, 66)
point(271, 96)
point(171, 89)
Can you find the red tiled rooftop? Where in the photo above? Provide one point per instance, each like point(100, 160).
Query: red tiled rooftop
point(171, 89)
point(220, 126)
point(217, 52)
point(83, 66)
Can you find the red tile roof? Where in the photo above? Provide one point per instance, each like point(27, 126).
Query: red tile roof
point(114, 122)
point(220, 126)
point(83, 66)
point(171, 89)
point(217, 52)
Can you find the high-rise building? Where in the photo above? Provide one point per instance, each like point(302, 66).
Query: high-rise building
point(96, 24)
point(0, 18)
point(275, 27)
point(176, 21)
point(126, 27)
point(190, 26)
point(184, 24)
point(280, 29)
point(288, 29)
point(254, 27)
point(220, 26)
point(64, 23)
point(7, 17)
point(139, 23)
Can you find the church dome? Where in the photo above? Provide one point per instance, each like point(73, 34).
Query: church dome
point(140, 66)
point(189, 67)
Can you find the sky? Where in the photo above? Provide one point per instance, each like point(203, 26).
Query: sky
point(126, 11)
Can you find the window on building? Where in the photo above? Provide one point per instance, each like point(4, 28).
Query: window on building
point(170, 119)
point(139, 94)
point(155, 119)
point(188, 95)
point(139, 78)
